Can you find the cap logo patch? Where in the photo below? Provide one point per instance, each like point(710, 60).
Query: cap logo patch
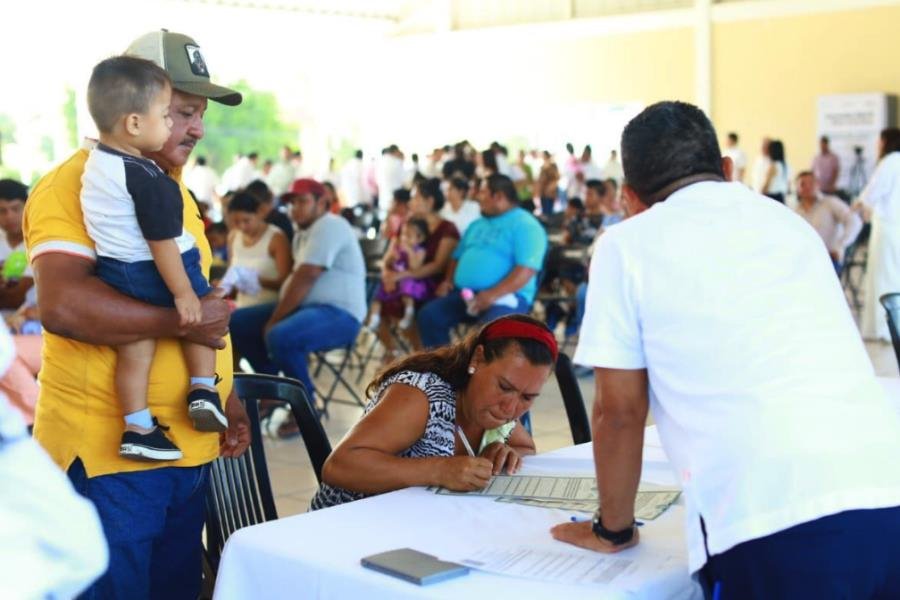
point(195, 59)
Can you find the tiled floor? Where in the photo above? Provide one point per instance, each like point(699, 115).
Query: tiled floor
point(294, 482)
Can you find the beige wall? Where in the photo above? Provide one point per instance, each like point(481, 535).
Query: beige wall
point(768, 73)
point(514, 86)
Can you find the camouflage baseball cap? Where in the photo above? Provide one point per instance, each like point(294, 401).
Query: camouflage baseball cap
point(181, 58)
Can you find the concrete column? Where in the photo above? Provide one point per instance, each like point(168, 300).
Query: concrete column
point(703, 55)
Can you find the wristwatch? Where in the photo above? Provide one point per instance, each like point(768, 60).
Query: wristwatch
point(616, 538)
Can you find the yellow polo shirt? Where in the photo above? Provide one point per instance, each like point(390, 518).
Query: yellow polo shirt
point(77, 412)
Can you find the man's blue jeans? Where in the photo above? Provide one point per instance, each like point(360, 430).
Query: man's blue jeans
point(852, 554)
point(437, 317)
point(153, 522)
point(308, 329)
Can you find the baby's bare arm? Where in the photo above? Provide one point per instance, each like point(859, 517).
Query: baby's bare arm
point(168, 261)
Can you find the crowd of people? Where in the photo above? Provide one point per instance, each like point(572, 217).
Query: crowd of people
point(124, 248)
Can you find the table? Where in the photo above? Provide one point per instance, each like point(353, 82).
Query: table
point(316, 555)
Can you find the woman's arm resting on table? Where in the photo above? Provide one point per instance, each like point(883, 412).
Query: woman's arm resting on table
point(366, 460)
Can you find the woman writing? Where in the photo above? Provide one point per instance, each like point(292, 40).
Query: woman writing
point(446, 417)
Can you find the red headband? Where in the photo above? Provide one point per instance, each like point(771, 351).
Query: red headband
point(513, 328)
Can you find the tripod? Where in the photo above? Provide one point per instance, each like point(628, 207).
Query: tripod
point(858, 177)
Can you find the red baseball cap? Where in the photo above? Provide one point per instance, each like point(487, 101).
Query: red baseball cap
point(308, 186)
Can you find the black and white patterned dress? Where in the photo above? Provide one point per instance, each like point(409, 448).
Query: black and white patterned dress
point(439, 438)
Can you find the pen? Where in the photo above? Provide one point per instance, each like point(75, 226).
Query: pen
point(577, 519)
point(465, 441)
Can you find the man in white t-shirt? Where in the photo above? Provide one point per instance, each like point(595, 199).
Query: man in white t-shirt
point(761, 168)
point(352, 183)
point(722, 312)
point(737, 156)
point(390, 176)
point(242, 172)
point(283, 173)
point(202, 180)
point(16, 277)
point(613, 168)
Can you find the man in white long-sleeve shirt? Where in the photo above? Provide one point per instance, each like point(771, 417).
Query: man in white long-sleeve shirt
point(51, 541)
point(832, 219)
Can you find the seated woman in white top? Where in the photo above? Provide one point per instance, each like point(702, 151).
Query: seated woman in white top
point(258, 247)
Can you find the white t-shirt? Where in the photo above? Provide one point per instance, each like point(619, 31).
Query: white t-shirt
point(468, 213)
point(390, 178)
point(352, 186)
point(331, 244)
point(766, 401)
point(779, 183)
point(202, 180)
point(760, 172)
point(111, 213)
point(280, 178)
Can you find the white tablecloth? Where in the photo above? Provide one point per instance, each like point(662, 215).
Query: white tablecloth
point(316, 555)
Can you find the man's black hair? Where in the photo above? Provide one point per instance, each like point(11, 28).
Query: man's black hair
point(501, 184)
point(10, 189)
point(597, 185)
point(666, 142)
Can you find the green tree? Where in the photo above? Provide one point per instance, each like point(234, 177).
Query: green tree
point(7, 133)
point(255, 125)
point(70, 114)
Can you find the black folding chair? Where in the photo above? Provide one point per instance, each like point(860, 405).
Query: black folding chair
point(352, 357)
point(573, 401)
point(240, 491)
point(854, 267)
point(891, 304)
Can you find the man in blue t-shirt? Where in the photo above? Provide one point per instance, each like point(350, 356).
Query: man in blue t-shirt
point(498, 259)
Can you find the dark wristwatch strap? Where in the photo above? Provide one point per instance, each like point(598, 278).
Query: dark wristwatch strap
point(616, 538)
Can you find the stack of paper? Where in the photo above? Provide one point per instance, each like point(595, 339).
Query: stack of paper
point(567, 493)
